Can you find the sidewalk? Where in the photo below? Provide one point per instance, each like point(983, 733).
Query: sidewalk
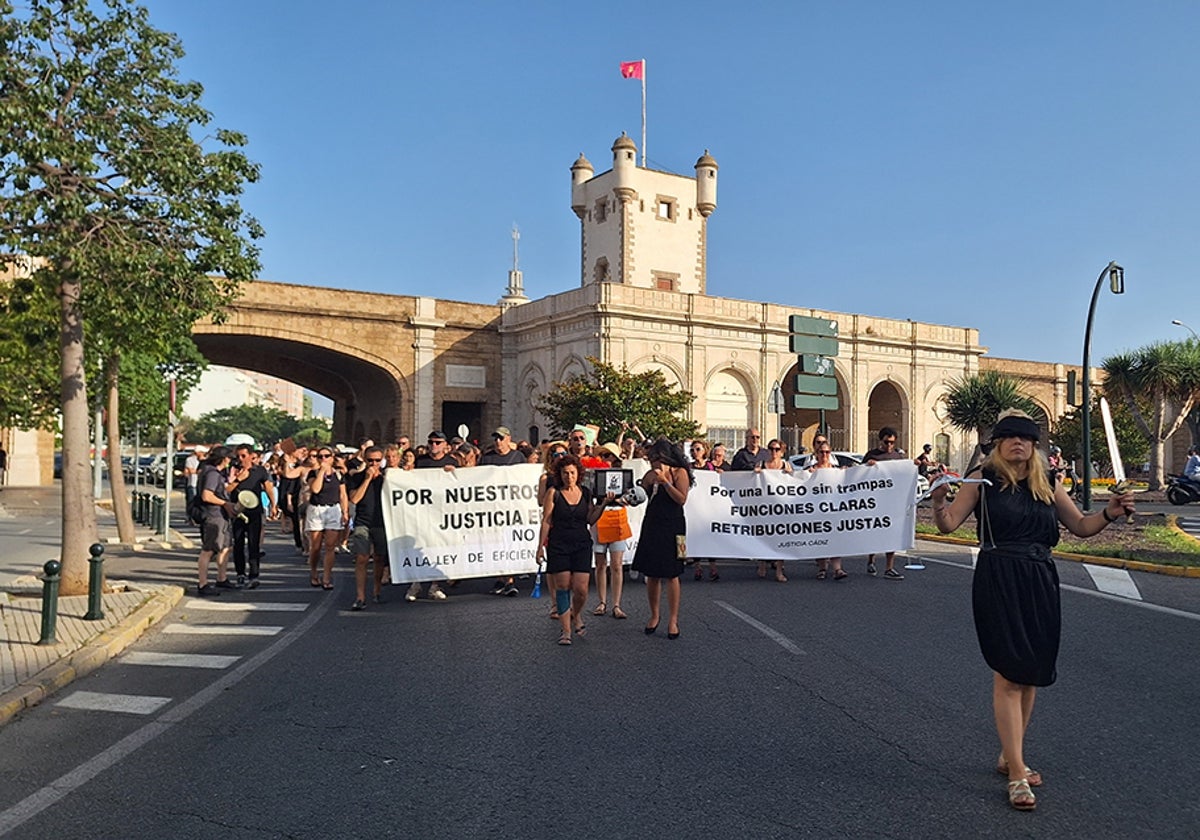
point(29, 672)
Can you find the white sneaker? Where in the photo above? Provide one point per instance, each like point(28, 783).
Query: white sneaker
point(436, 593)
point(413, 593)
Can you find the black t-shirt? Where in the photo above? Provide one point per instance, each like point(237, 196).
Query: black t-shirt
point(428, 462)
point(255, 481)
point(880, 455)
point(329, 494)
point(369, 509)
point(495, 459)
point(212, 479)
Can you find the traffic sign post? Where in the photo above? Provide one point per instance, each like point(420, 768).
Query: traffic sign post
point(815, 341)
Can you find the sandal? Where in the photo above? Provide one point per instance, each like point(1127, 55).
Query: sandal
point(840, 574)
point(314, 582)
point(581, 630)
point(821, 575)
point(713, 577)
point(553, 614)
point(327, 586)
point(1032, 776)
point(564, 639)
point(699, 574)
point(618, 612)
point(1020, 796)
point(601, 609)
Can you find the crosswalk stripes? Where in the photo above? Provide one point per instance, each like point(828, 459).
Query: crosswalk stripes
point(99, 701)
point(1190, 525)
point(1113, 581)
point(209, 611)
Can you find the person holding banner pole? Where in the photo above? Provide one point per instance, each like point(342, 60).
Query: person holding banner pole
point(565, 544)
point(662, 544)
point(1015, 590)
point(823, 460)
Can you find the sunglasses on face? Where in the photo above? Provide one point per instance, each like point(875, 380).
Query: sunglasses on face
point(775, 448)
point(325, 455)
point(888, 442)
point(374, 460)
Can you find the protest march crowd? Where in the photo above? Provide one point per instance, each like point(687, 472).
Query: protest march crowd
point(576, 511)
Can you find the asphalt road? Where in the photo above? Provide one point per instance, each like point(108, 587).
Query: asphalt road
point(806, 709)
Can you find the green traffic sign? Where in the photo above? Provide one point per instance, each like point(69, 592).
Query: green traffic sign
point(811, 344)
point(818, 365)
point(808, 384)
point(804, 325)
point(815, 402)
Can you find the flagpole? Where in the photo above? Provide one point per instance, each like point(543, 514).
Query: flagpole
point(643, 113)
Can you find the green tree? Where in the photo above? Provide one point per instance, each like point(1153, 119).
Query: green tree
point(606, 395)
point(265, 424)
point(130, 221)
point(1068, 436)
point(1159, 383)
point(974, 403)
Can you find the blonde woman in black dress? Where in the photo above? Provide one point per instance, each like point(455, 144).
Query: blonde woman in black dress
point(662, 544)
point(1014, 594)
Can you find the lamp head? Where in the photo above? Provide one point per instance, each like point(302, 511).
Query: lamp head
point(1116, 278)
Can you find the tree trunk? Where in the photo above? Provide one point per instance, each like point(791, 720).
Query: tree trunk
point(116, 476)
point(1156, 465)
point(78, 506)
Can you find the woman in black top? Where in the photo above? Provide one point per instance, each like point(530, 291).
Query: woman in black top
point(566, 543)
point(1015, 596)
point(662, 543)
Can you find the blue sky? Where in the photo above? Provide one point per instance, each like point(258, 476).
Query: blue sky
point(954, 162)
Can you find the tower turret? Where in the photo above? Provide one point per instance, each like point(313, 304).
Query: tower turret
point(581, 173)
point(706, 184)
point(624, 167)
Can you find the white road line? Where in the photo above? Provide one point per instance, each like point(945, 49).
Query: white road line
point(1094, 593)
point(97, 701)
point(179, 660)
point(223, 629)
point(1113, 581)
point(243, 606)
point(69, 782)
point(774, 635)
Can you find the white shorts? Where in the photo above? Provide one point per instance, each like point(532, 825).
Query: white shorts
point(323, 518)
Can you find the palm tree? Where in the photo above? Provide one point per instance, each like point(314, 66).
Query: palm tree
point(974, 402)
point(1167, 376)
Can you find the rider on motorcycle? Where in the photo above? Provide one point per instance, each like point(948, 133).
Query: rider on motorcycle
point(1192, 468)
point(1060, 467)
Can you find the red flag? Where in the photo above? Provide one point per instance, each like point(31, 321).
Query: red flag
point(633, 69)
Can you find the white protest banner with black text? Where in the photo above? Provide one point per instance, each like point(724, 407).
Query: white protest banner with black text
point(771, 515)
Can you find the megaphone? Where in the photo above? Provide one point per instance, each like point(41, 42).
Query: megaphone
point(246, 500)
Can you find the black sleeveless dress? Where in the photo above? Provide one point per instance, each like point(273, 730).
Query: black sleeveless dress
point(657, 554)
point(569, 546)
point(1014, 594)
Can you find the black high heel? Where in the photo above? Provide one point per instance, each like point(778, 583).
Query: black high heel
point(649, 631)
point(673, 636)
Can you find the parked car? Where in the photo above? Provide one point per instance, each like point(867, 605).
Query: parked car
point(160, 469)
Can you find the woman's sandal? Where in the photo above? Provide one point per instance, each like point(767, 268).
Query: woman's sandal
point(821, 575)
point(564, 639)
point(1020, 796)
point(581, 630)
point(840, 574)
point(1032, 776)
point(601, 609)
point(553, 614)
point(618, 612)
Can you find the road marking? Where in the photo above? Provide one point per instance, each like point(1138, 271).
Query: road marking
point(1114, 581)
point(244, 606)
point(774, 635)
point(69, 782)
point(1094, 593)
point(179, 660)
point(98, 701)
point(223, 629)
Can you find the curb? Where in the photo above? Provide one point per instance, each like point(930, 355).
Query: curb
point(91, 656)
point(1111, 562)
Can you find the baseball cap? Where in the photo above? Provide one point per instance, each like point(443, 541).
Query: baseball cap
point(502, 431)
point(437, 434)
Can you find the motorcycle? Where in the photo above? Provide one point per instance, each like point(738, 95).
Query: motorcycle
point(1181, 490)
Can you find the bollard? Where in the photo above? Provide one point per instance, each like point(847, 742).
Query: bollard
point(50, 601)
point(156, 514)
point(95, 583)
point(139, 508)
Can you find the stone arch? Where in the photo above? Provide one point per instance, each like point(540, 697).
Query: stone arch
point(887, 406)
point(671, 370)
point(364, 387)
point(799, 423)
point(573, 365)
point(532, 385)
point(727, 399)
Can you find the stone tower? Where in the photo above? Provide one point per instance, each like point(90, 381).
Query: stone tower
point(643, 227)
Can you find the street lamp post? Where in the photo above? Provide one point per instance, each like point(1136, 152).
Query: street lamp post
point(1179, 323)
point(1116, 282)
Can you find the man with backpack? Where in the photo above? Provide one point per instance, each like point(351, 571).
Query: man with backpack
point(216, 532)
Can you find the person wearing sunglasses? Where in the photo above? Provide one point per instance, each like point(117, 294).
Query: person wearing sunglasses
point(369, 538)
point(774, 460)
point(252, 476)
point(328, 513)
point(439, 456)
point(887, 450)
point(750, 454)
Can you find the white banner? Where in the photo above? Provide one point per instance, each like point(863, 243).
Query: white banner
point(827, 513)
point(485, 521)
